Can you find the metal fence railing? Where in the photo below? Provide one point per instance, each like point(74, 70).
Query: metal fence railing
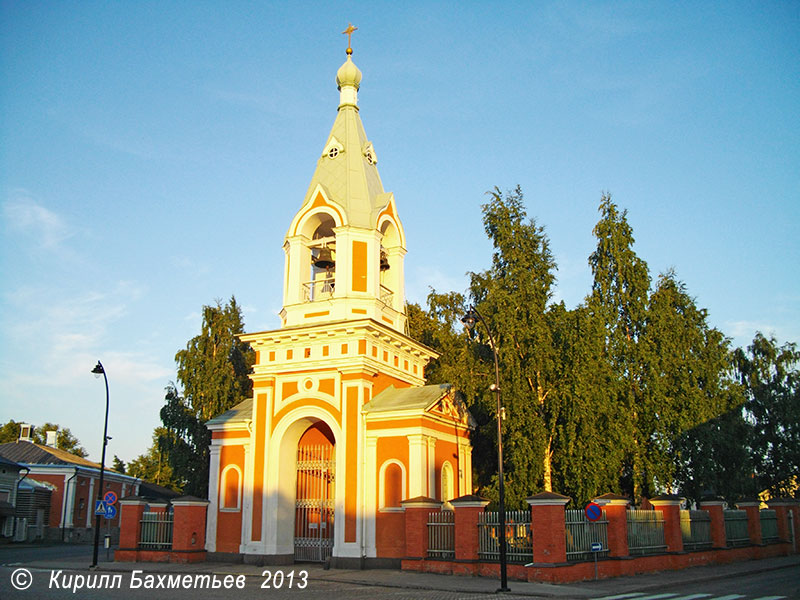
point(736, 528)
point(156, 531)
point(645, 532)
point(519, 546)
point(696, 529)
point(769, 526)
point(581, 533)
point(442, 534)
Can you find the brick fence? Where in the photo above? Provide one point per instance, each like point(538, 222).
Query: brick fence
point(547, 546)
point(548, 561)
point(149, 532)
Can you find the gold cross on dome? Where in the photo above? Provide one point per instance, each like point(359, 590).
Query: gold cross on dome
point(349, 32)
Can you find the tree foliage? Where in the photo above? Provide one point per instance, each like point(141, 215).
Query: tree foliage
point(65, 440)
point(630, 392)
point(153, 466)
point(213, 374)
point(771, 379)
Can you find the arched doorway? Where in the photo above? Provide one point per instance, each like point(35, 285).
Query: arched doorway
point(314, 496)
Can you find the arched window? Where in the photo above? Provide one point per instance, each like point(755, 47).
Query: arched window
point(448, 487)
point(231, 489)
point(322, 248)
point(392, 486)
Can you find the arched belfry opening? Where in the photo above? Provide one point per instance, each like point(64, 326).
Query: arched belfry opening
point(322, 259)
point(315, 494)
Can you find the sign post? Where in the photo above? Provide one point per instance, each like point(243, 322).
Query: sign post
point(593, 512)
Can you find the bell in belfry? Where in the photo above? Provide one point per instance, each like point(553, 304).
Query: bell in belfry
point(384, 260)
point(324, 260)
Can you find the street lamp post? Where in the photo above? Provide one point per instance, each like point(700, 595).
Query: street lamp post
point(99, 370)
point(469, 320)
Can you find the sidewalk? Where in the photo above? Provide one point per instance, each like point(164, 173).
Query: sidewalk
point(448, 583)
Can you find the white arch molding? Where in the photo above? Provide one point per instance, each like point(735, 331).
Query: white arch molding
point(223, 489)
point(278, 508)
point(382, 485)
point(447, 483)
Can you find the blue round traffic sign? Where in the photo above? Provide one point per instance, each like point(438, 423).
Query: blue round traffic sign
point(593, 511)
point(110, 498)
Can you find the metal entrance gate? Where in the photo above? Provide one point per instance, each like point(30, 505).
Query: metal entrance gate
point(314, 504)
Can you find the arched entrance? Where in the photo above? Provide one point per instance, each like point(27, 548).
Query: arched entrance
point(314, 496)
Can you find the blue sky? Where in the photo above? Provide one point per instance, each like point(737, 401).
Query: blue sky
point(152, 155)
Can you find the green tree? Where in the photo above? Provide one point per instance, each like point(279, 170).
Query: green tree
point(9, 432)
point(118, 465)
point(714, 459)
point(213, 373)
point(686, 377)
point(588, 446)
point(65, 440)
point(770, 376)
point(153, 466)
point(513, 295)
point(619, 298)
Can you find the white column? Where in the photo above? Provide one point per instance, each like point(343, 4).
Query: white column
point(90, 508)
point(247, 494)
point(213, 497)
point(371, 496)
point(417, 476)
point(431, 467)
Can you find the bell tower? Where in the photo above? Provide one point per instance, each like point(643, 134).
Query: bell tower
point(341, 427)
point(345, 247)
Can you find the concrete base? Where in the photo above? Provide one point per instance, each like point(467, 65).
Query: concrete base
point(347, 562)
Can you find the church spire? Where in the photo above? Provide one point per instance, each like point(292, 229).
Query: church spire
point(345, 247)
point(348, 77)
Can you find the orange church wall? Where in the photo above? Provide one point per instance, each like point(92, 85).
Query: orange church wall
point(227, 435)
point(390, 526)
point(326, 406)
point(435, 425)
point(359, 266)
point(383, 381)
point(446, 451)
point(229, 522)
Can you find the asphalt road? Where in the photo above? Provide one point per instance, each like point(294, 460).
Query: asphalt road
point(32, 568)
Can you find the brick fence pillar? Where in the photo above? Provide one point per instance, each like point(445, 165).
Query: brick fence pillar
point(189, 529)
point(131, 510)
point(753, 510)
point(670, 507)
point(467, 509)
point(794, 524)
point(416, 515)
point(616, 508)
point(781, 508)
point(548, 528)
point(715, 510)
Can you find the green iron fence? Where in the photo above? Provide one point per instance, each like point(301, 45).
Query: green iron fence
point(582, 533)
point(645, 532)
point(519, 548)
point(696, 529)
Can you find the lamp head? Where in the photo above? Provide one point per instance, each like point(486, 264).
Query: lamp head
point(470, 318)
point(98, 370)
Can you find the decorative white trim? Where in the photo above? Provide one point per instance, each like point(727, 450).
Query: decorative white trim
point(382, 485)
point(447, 495)
point(223, 488)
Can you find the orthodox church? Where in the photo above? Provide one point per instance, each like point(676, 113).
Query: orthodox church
point(341, 427)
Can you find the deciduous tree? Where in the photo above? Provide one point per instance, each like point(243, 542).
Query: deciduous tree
point(213, 374)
